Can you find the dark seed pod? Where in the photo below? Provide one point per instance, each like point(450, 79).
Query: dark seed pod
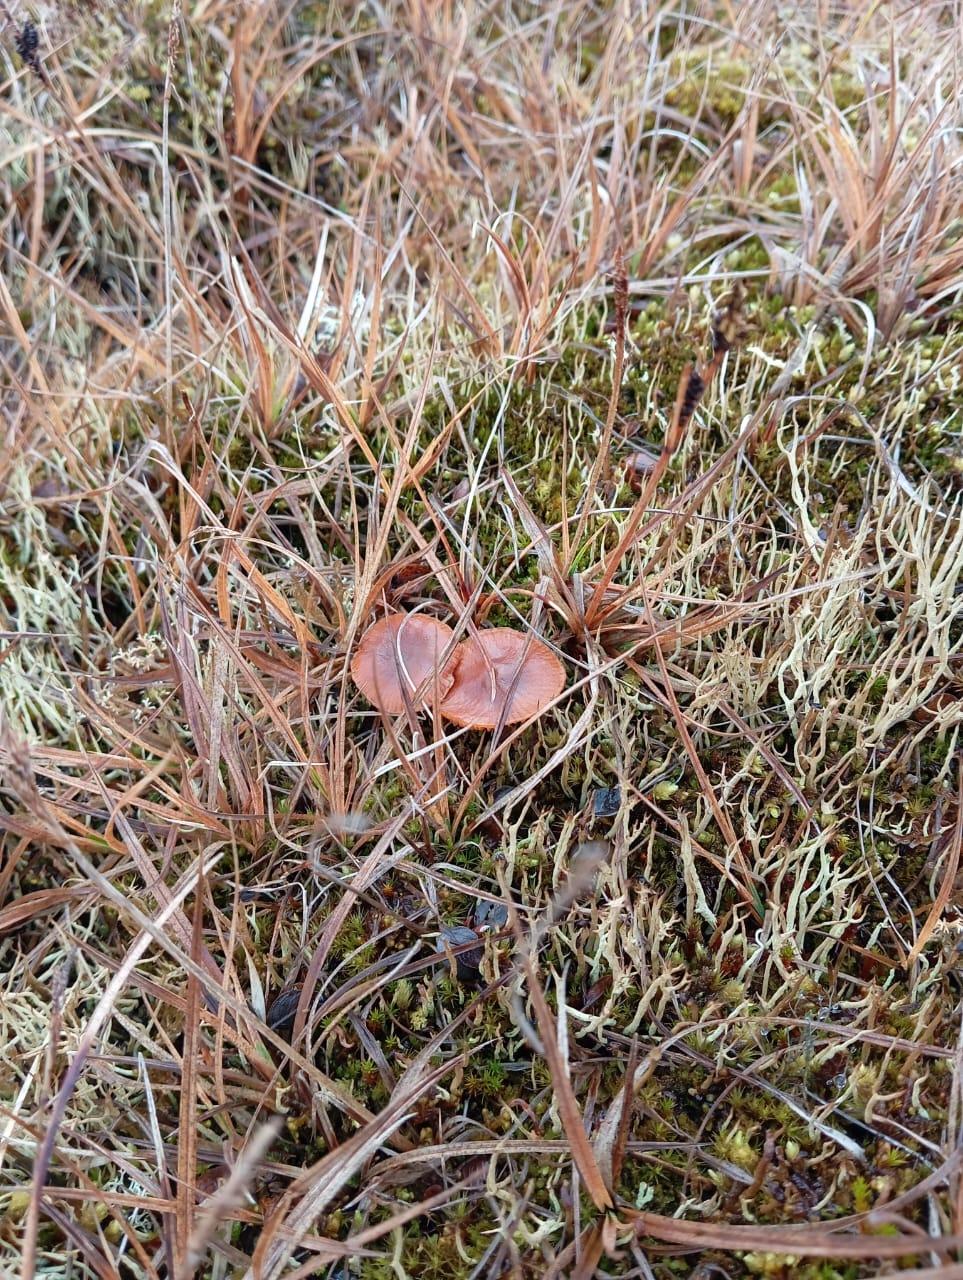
point(606, 801)
point(490, 915)
point(720, 341)
point(283, 1008)
point(469, 962)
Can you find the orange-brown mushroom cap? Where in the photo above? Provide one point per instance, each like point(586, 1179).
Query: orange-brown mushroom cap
point(398, 655)
point(527, 676)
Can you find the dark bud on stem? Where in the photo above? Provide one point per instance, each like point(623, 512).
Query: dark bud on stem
point(621, 293)
point(693, 394)
point(727, 324)
point(720, 343)
point(691, 386)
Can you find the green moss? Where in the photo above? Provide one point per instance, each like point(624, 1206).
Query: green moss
point(713, 87)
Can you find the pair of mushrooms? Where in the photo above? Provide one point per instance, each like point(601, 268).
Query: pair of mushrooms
point(499, 676)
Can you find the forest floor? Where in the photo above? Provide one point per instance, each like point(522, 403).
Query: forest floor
point(637, 327)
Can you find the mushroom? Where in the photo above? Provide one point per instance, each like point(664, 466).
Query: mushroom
point(500, 677)
point(398, 655)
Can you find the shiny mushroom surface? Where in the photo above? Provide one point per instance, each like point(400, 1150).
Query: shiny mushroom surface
point(400, 654)
point(501, 676)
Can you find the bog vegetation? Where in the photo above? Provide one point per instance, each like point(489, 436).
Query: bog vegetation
point(632, 329)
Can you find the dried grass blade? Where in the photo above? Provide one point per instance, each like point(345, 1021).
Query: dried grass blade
point(949, 876)
point(571, 1116)
point(187, 1146)
point(799, 1241)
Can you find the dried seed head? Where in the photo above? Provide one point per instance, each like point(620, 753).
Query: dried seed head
point(17, 768)
point(728, 324)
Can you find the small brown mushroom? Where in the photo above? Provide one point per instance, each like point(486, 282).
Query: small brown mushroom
point(526, 675)
point(399, 654)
